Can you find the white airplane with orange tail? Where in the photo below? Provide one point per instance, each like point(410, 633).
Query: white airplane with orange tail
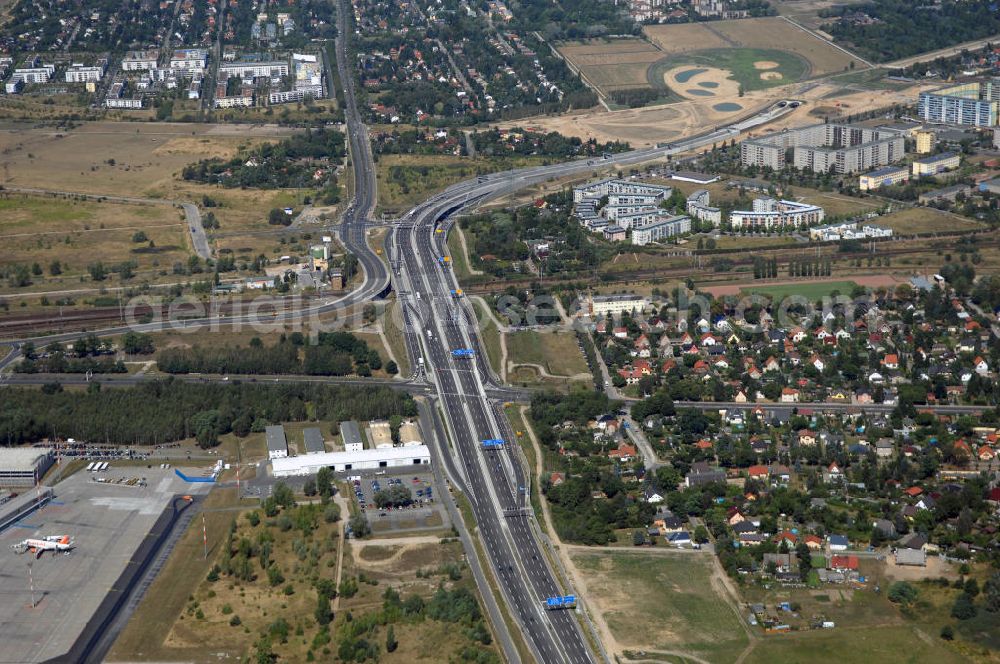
point(54, 543)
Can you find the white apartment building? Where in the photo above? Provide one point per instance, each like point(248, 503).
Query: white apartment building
point(769, 213)
point(189, 59)
point(698, 207)
point(272, 69)
point(660, 230)
point(78, 73)
point(140, 60)
point(611, 305)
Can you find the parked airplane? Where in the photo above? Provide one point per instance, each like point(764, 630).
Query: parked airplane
point(52, 543)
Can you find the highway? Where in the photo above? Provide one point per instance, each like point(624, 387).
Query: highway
point(495, 480)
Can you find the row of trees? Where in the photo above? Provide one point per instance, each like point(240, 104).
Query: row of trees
point(334, 354)
point(165, 411)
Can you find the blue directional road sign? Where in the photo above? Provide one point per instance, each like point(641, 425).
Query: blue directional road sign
point(463, 352)
point(563, 602)
point(491, 443)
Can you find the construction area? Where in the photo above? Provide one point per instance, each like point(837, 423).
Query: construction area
point(63, 602)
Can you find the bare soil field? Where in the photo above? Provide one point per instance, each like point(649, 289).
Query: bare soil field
point(612, 65)
point(654, 124)
point(684, 37)
point(701, 82)
point(870, 281)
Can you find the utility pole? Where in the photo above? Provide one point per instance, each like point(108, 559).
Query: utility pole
point(31, 584)
point(204, 535)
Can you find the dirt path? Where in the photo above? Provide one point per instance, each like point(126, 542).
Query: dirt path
point(583, 375)
point(501, 330)
point(345, 512)
point(611, 645)
point(465, 252)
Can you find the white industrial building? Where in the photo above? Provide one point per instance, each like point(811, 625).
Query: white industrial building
point(24, 466)
point(277, 444)
point(385, 457)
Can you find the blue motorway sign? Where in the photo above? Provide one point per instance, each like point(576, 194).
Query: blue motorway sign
point(463, 352)
point(566, 601)
point(493, 442)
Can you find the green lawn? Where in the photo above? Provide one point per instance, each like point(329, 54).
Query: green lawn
point(662, 602)
point(740, 62)
point(490, 335)
point(556, 351)
point(885, 645)
point(811, 290)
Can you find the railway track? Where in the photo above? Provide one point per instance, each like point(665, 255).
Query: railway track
point(80, 320)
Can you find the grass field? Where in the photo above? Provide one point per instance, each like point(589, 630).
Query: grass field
point(745, 66)
point(926, 220)
point(490, 336)
point(662, 602)
point(741, 242)
point(886, 645)
point(36, 229)
point(144, 635)
point(811, 290)
point(556, 351)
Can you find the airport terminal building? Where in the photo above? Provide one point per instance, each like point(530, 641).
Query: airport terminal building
point(24, 466)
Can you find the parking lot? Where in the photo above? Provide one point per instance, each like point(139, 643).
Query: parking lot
point(424, 512)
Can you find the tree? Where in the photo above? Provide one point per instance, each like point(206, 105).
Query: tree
point(55, 268)
point(638, 537)
point(902, 592)
point(309, 488)
point(992, 590)
point(947, 633)
point(323, 613)
point(391, 368)
point(324, 483)
point(359, 525)
point(700, 534)
point(139, 236)
point(964, 607)
point(390, 640)
point(97, 271)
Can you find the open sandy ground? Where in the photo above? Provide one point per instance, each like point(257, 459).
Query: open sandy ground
point(643, 127)
point(720, 84)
